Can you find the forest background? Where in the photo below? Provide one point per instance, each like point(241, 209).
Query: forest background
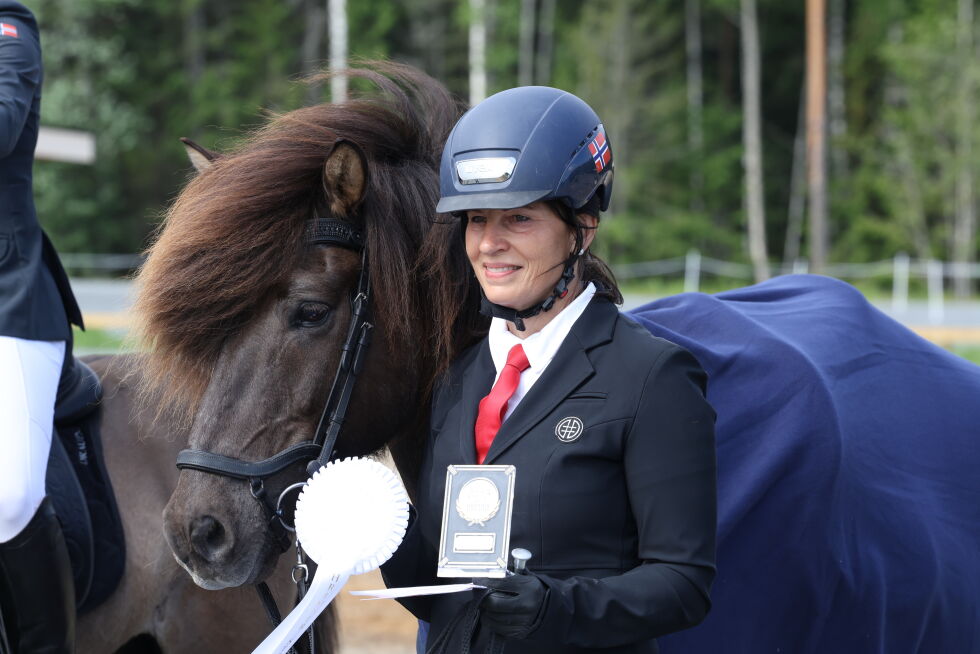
point(667, 77)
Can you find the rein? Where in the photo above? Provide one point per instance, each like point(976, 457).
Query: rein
point(319, 451)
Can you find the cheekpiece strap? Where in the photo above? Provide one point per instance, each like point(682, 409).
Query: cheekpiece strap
point(329, 231)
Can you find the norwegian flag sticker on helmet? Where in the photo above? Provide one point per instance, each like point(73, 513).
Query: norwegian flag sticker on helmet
point(6, 29)
point(600, 152)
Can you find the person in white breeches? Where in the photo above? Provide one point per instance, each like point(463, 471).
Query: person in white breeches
point(37, 309)
point(28, 386)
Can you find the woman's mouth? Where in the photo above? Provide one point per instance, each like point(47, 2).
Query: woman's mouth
point(498, 271)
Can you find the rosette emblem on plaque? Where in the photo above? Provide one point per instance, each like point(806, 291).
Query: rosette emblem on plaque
point(478, 501)
point(476, 520)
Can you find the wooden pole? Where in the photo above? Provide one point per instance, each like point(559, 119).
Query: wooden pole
point(338, 48)
point(816, 121)
point(695, 102)
point(478, 48)
point(525, 58)
point(965, 224)
point(314, 29)
point(752, 139)
point(546, 45)
point(836, 106)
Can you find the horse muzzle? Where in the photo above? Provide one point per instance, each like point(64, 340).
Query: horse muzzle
point(219, 548)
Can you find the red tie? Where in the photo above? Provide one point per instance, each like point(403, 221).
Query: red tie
point(494, 406)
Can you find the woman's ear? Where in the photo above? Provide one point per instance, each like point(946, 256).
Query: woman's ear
point(590, 223)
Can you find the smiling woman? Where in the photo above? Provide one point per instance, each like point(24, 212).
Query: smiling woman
point(518, 254)
point(607, 427)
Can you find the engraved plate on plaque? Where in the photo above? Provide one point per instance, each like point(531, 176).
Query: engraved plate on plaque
point(476, 521)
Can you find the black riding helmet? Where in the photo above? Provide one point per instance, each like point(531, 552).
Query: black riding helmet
point(524, 145)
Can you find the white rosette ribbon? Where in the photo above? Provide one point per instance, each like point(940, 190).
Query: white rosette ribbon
point(350, 518)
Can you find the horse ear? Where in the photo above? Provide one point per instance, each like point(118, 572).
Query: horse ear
point(201, 158)
point(345, 177)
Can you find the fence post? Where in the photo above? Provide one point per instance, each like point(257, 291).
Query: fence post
point(692, 271)
point(934, 271)
point(900, 283)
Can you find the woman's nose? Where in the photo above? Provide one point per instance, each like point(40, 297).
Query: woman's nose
point(492, 239)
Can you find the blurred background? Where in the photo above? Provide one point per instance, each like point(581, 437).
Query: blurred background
point(752, 137)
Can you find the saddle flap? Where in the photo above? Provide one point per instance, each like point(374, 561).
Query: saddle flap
point(69, 503)
point(81, 490)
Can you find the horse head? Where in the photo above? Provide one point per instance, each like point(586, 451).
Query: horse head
point(246, 310)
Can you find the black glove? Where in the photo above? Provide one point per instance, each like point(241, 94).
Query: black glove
point(514, 606)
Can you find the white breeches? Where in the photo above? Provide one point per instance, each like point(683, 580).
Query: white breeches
point(29, 373)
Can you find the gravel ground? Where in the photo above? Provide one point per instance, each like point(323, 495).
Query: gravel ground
point(373, 626)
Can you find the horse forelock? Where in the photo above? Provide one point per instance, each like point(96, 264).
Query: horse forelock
point(234, 236)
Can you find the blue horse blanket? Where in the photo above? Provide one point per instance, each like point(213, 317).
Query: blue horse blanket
point(848, 474)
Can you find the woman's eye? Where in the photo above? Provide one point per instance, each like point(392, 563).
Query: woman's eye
point(477, 219)
point(521, 218)
point(311, 314)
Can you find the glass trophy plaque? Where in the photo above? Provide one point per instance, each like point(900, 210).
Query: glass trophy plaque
point(476, 520)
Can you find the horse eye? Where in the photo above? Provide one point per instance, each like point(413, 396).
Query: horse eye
point(311, 314)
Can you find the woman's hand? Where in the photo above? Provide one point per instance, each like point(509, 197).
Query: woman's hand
point(514, 605)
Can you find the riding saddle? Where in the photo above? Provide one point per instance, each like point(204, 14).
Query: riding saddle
point(81, 491)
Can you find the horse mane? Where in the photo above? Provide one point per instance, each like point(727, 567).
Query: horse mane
point(234, 235)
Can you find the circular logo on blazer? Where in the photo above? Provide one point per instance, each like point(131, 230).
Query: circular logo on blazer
point(569, 429)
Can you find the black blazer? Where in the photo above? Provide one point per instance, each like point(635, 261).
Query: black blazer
point(621, 521)
point(36, 301)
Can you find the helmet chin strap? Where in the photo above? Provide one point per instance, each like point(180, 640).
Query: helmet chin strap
point(517, 317)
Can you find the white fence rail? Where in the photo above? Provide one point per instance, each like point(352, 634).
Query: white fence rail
point(901, 269)
point(101, 263)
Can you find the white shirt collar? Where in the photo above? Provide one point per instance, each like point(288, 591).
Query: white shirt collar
point(541, 346)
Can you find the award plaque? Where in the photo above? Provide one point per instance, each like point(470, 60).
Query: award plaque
point(476, 521)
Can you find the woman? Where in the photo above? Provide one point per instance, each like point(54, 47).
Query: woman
point(607, 426)
point(36, 305)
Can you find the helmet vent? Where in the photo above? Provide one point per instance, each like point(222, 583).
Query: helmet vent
point(485, 170)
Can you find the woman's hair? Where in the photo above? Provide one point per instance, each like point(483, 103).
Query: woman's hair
point(593, 268)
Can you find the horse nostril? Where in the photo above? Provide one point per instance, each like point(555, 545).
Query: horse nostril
point(208, 538)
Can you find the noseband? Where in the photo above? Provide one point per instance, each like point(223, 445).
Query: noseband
point(315, 453)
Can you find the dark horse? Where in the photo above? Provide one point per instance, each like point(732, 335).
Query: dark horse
point(830, 416)
point(244, 319)
point(157, 607)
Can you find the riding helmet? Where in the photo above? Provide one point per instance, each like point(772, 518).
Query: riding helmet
point(523, 145)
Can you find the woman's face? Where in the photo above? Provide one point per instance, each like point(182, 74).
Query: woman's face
point(518, 254)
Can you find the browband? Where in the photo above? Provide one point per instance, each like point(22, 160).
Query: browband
point(329, 231)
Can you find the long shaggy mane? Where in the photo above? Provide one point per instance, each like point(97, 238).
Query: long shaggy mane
point(233, 237)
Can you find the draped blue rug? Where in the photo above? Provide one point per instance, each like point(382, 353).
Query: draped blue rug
point(848, 470)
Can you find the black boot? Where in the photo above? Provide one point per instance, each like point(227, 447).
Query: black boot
point(36, 574)
point(4, 645)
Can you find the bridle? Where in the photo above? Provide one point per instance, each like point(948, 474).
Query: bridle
point(319, 451)
point(315, 453)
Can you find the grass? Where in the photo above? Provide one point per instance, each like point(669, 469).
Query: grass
point(99, 341)
point(968, 352)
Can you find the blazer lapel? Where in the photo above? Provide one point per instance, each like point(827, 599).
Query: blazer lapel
point(566, 372)
point(477, 383)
